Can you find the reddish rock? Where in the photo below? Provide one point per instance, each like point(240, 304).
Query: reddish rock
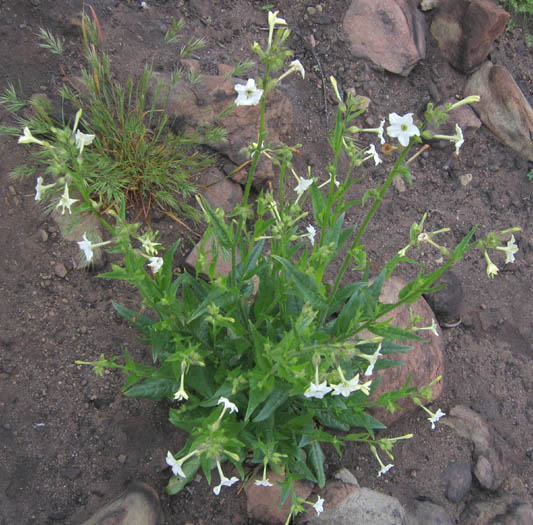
point(390, 33)
point(424, 362)
point(264, 502)
point(503, 108)
point(219, 190)
point(466, 29)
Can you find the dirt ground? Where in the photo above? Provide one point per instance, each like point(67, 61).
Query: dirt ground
point(69, 441)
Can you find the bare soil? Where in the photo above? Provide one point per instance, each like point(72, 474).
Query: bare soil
point(69, 441)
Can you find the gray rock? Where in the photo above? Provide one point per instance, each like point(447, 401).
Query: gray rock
point(219, 190)
point(490, 468)
point(446, 303)
point(347, 504)
point(390, 33)
point(466, 29)
point(502, 108)
point(507, 510)
point(426, 513)
point(457, 479)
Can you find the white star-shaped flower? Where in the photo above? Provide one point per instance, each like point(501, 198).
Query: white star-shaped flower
point(224, 482)
point(40, 188)
point(303, 185)
point(87, 247)
point(345, 388)
point(372, 151)
point(509, 250)
point(402, 128)
point(156, 263)
point(274, 19)
point(296, 65)
point(311, 232)
point(380, 132)
point(435, 417)
point(28, 138)
point(228, 405)
point(176, 465)
point(318, 390)
point(83, 139)
point(318, 506)
point(248, 94)
point(65, 201)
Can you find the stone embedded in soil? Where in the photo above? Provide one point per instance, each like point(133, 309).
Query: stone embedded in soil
point(263, 503)
point(503, 107)
point(490, 467)
point(223, 265)
point(219, 190)
point(466, 29)
point(424, 362)
point(192, 106)
point(390, 33)
point(426, 513)
point(457, 478)
point(508, 510)
point(347, 504)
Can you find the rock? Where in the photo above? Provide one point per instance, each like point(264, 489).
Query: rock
point(346, 476)
point(263, 503)
point(428, 5)
point(446, 303)
point(426, 513)
point(466, 29)
point(507, 510)
point(503, 108)
point(424, 362)
point(223, 265)
point(490, 469)
point(465, 179)
point(138, 505)
point(390, 33)
point(346, 504)
point(457, 479)
point(60, 270)
point(219, 190)
point(192, 106)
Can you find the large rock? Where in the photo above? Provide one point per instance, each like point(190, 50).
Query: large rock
point(264, 503)
point(466, 29)
point(219, 190)
point(502, 108)
point(490, 466)
point(426, 513)
point(390, 33)
point(424, 362)
point(191, 106)
point(508, 510)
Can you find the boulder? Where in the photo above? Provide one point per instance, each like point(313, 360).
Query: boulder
point(424, 362)
point(466, 29)
point(425, 513)
point(508, 510)
point(390, 33)
point(503, 108)
point(219, 190)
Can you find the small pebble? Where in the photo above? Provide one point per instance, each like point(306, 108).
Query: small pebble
point(121, 459)
point(60, 270)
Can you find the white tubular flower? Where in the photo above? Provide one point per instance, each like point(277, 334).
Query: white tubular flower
point(83, 139)
point(28, 138)
point(380, 132)
point(274, 19)
point(460, 139)
point(372, 358)
point(318, 506)
point(87, 247)
point(176, 465)
point(228, 405)
point(65, 201)
point(311, 232)
point(435, 417)
point(509, 250)
point(372, 151)
point(41, 188)
point(492, 269)
point(384, 469)
point(402, 128)
point(296, 65)
point(224, 481)
point(263, 482)
point(318, 390)
point(345, 388)
point(248, 94)
point(156, 263)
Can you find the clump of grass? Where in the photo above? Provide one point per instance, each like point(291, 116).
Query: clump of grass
point(135, 153)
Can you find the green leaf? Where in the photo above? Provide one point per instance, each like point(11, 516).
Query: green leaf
point(276, 399)
point(220, 228)
point(385, 329)
point(316, 459)
point(141, 322)
point(156, 389)
point(329, 420)
point(177, 484)
point(305, 285)
point(320, 205)
point(257, 396)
